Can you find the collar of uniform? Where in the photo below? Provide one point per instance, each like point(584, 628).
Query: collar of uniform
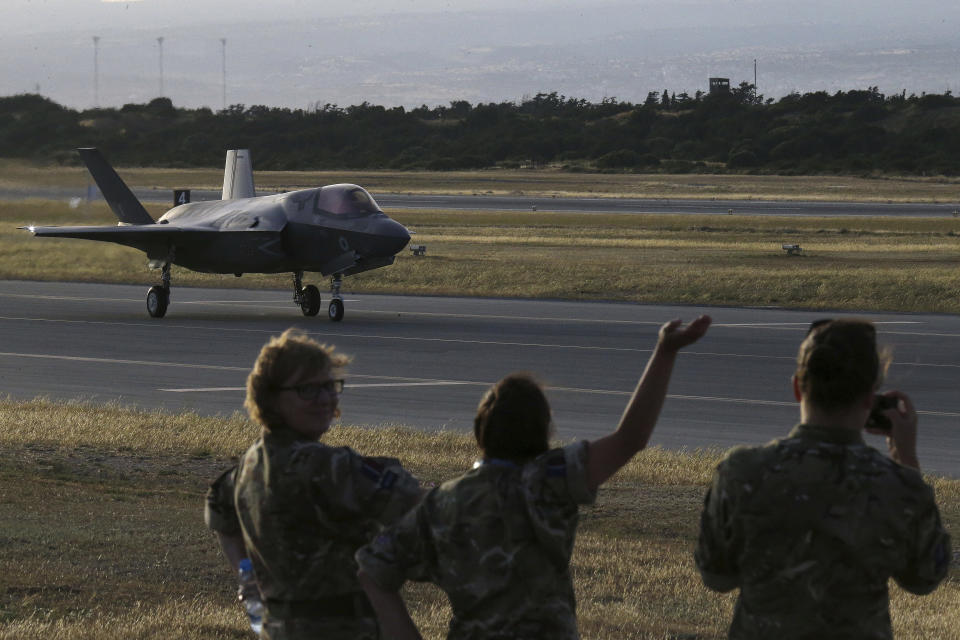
point(836, 435)
point(496, 462)
point(283, 436)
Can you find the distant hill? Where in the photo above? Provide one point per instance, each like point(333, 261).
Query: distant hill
point(852, 132)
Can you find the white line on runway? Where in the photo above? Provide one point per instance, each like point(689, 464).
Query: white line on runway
point(407, 381)
point(605, 392)
point(145, 363)
point(429, 314)
point(440, 340)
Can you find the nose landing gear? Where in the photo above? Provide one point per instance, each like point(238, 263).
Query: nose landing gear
point(335, 310)
point(308, 297)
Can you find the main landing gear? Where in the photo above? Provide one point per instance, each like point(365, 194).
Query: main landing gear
point(158, 296)
point(308, 297)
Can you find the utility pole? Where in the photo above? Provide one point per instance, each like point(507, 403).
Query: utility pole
point(223, 58)
point(96, 71)
point(160, 47)
point(754, 80)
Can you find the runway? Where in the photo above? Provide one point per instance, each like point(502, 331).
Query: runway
point(388, 201)
point(424, 362)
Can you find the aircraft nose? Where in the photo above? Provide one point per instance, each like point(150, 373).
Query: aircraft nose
point(395, 236)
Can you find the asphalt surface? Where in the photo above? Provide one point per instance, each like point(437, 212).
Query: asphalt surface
point(574, 205)
point(424, 362)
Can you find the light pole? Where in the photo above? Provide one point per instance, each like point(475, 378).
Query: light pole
point(223, 58)
point(754, 80)
point(96, 71)
point(160, 47)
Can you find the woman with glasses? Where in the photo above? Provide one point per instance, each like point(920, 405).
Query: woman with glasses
point(498, 539)
point(811, 527)
point(299, 509)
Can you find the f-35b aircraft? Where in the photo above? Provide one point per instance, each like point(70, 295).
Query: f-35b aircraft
point(337, 230)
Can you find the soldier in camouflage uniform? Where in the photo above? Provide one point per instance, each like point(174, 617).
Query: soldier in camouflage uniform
point(810, 527)
point(498, 539)
point(302, 508)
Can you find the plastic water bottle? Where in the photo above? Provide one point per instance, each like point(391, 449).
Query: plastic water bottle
point(249, 595)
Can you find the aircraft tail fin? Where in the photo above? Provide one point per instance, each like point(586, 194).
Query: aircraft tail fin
point(121, 200)
point(238, 175)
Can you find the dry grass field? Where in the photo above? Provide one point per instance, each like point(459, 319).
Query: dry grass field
point(893, 264)
point(540, 182)
point(103, 537)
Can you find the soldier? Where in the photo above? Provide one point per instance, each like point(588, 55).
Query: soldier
point(810, 527)
point(299, 508)
point(498, 539)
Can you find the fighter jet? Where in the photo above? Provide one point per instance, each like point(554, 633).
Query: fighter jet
point(336, 230)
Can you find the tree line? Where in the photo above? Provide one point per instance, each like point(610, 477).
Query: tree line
point(852, 132)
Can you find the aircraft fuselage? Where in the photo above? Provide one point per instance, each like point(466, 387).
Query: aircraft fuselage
point(297, 231)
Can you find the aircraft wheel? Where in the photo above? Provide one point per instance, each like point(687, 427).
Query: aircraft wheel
point(158, 299)
point(335, 310)
point(311, 301)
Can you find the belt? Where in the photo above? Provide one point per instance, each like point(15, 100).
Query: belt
point(347, 605)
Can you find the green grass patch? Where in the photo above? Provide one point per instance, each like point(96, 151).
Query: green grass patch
point(102, 535)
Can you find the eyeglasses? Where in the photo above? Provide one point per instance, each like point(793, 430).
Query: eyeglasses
point(313, 390)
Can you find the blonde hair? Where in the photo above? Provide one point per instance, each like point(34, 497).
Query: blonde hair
point(280, 359)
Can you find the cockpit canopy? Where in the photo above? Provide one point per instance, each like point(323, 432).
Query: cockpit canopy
point(346, 200)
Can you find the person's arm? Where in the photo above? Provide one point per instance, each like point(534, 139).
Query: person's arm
point(715, 555)
point(395, 620)
point(611, 452)
point(233, 548)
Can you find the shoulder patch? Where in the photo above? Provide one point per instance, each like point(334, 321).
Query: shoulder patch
point(387, 480)
point(556, 465)
point(378, 472)
point(371, 468)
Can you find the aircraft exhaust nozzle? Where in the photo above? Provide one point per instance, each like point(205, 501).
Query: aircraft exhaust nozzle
point(238, 175)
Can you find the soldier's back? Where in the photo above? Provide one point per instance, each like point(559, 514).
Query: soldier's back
point(820, 527)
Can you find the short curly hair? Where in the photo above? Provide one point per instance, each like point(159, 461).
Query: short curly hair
point(281, 358)
point(513, 419)
point(839, 361)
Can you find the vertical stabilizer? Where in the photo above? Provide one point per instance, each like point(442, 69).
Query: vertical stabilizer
point(238, 175)
point(121, 200)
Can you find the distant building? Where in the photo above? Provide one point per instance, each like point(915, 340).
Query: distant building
point(719, 85)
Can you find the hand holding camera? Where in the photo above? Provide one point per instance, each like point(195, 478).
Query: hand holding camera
point(893, 416)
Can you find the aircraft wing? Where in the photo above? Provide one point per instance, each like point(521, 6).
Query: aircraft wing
point(144, 237)
point(157, 240)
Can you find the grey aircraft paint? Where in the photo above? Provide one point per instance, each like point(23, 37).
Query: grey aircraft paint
point(336, 230)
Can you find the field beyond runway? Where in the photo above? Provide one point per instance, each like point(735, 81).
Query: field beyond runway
point(423, 362)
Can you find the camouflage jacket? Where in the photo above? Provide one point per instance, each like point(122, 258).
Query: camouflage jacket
point(498, 541)
point(810, 528)
point(304, 508)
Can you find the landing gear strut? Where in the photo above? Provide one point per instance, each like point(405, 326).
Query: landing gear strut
point(307, 297)
point(158, 296)
point(335, 310)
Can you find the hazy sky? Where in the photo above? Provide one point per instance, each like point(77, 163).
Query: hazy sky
point(410, 52)
point(22, 16)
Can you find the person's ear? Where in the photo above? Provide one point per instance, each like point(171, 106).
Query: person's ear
point(796, 388)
